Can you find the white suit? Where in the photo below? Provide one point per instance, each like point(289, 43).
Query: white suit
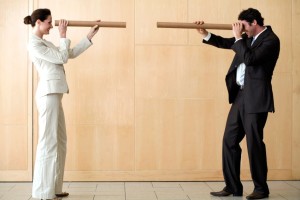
point(51, 149)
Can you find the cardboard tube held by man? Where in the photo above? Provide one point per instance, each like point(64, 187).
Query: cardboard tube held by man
point(193, 25)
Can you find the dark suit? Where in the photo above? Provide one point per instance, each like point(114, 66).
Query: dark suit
point(250, 106)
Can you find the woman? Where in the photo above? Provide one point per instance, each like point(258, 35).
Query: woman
point(48, 60)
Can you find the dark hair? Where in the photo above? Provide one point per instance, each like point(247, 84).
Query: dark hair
point(250, 15)
point(40, 14)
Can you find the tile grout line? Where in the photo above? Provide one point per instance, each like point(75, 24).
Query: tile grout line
point(154, 190)
point(287, 182)
point(184, 191)
point(125, 190)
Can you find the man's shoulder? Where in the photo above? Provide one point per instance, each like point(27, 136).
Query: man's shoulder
point(270, 32)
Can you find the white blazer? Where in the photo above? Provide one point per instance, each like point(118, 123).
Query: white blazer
point(49, 59)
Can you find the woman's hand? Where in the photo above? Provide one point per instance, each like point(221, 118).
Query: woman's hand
point(93, 31)
point(62, 27)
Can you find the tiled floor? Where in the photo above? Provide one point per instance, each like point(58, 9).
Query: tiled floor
point(149, 190)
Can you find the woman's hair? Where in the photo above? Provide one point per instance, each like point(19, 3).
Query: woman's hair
point(40, 14)
point(250, 15)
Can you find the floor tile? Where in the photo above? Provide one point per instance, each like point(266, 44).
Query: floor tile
point(166, 184)
point(195, 187)
point(80, 197)
point(110, 198)
point(16, 197)
point(291, 195)
point(139, 186)
point(145, 195)
point(171, 195)
point(295, 184)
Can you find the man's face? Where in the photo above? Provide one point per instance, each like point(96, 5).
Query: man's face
point(249, 29)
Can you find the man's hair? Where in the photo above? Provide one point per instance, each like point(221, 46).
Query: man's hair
point(250, 15)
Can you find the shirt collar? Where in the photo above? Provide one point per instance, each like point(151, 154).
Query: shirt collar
point(255, 37)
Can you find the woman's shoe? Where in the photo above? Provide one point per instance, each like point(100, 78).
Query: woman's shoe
point(63, 194)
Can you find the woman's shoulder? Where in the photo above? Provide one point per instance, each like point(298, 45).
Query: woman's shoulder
point(35, 41)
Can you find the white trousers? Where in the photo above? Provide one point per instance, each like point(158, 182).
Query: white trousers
point(51, 148)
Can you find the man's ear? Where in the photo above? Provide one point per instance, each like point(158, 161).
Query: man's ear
point(254, 22)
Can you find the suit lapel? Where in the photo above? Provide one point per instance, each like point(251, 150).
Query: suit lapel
point(260, 38)
point(249, 41)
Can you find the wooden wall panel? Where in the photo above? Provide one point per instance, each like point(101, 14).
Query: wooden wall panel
point(167, 134)
point(15, 109)
point(148, 13)
point(173, 72)
point(169, 114)
point(212, 12)
point(146, 103)
point(295, 89)
point(163, 63)
point(99, 109)
point(278, 131)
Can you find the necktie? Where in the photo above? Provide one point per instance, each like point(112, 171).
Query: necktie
point(252, 41)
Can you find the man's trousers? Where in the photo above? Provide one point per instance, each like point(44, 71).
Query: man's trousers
point(240, 123)
point(51, 147)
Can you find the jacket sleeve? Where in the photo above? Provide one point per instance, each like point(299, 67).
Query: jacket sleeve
point(83, 45)
point(54, 55)
point(220, 42)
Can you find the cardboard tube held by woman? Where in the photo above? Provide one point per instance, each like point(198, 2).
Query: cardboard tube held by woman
point(93, 23)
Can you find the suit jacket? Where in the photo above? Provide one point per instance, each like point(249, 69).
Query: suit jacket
point(260, 60)
point(49, 59)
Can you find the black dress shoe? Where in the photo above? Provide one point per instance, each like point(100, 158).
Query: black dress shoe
point(256, 195)
point(222, 193)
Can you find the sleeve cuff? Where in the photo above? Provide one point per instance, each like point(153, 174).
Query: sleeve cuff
point(207, 37)
point(238, 39)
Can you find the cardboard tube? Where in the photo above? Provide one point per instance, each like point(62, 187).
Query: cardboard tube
point(193, 25)
point(93, 23)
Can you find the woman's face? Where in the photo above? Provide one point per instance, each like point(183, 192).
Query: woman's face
point(46, 25)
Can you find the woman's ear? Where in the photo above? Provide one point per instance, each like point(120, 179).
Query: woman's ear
point(38, 22)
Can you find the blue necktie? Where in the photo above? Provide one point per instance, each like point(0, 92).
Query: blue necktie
point(252, 41)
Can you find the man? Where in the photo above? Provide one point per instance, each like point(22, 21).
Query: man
point(249, 87)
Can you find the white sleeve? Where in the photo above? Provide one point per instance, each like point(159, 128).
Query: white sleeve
point(83, 45)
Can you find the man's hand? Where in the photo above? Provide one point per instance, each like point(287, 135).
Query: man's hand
point(202, 31)
point(237, 29)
